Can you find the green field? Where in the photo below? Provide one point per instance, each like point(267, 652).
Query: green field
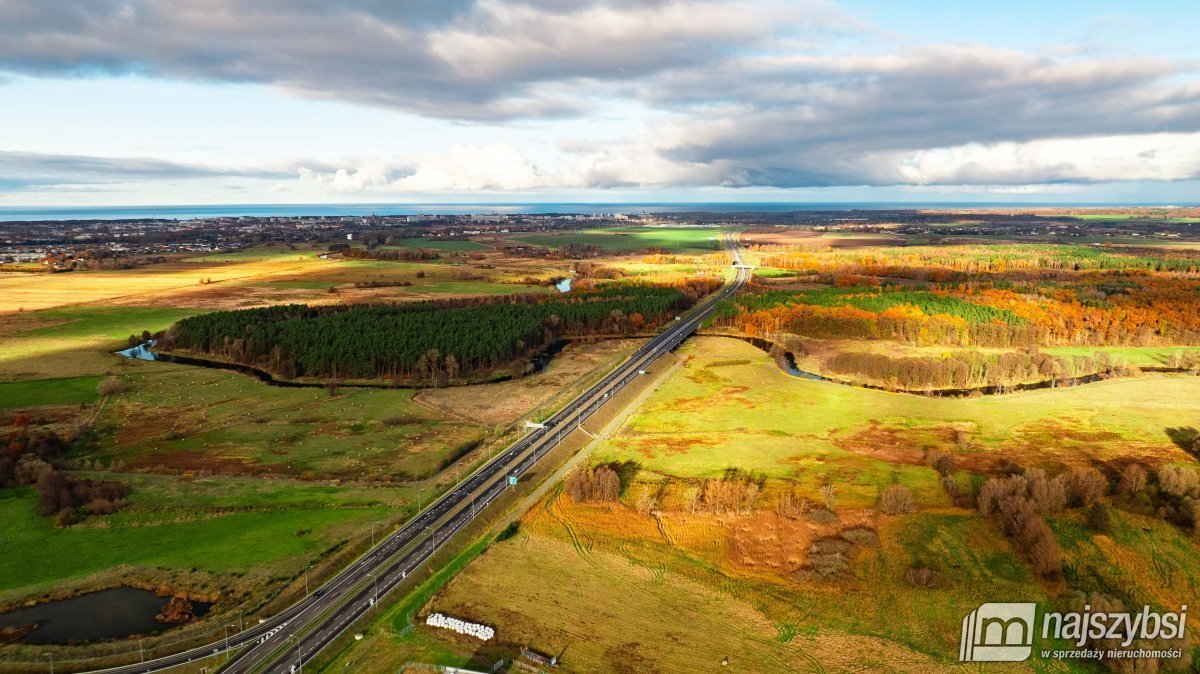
point(677, 240)
point(270, 530)
point(66, 391)
point(180, 418)
point(104, 322)
point(762, 420)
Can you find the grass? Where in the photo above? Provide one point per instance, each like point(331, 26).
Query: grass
point(259, 542)
point(681, 592)
point(754, 417)
point(65, 391)
point(626, 239)
point(626, 599)
point(180, 418)
point(455, 245)
point(104, 322)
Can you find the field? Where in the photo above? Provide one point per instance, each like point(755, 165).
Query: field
point(65, 322)
point(676, 240)
point(65, 391)
point(236, 486)
point(761, 420)
point(749, 529)
point(674, 589)
point(366, 434)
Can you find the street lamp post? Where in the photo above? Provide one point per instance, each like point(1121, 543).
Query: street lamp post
point(51, 655)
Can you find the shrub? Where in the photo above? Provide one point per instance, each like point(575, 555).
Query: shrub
point(1133, 479)
point(829, 497)
point(1049, 496)
point(1098, 518)
point(110, 386)
point(790, 505)
point(942, 462)
point(599, 484)
point(925, 578)
point(1179, 482)
point(732, 493)
point(1009, 501)
point(896, 499)
point(1083, 486)
point(509, 531)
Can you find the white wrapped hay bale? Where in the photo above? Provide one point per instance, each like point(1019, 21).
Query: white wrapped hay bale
point(482, 632)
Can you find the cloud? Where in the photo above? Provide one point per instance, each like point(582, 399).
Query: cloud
point(458, 59)
point(464, 168)
point(765, 93)
point(24, 170)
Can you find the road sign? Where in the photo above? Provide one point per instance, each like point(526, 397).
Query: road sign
point(512, 480)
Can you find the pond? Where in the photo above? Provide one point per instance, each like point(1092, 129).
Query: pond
point(96, 616)
point(564, 286)
point(140, 352)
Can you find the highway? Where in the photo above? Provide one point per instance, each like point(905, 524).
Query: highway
point(287, 640)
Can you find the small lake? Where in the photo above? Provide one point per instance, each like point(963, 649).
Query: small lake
point(97, 616)
point(140, 352)
point(564, 286)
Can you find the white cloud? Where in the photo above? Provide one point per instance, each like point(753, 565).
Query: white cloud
point(1102, 159)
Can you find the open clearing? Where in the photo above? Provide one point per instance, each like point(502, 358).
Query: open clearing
point(732, 407)
point(216, 536)
point(181, 419)
point(625, 239)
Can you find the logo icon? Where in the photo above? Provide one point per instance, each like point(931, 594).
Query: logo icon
point(998, 633)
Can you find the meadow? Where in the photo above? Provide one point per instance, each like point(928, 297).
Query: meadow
point(761, 420)
point(180, 419)
point(670, 588)
point(243, 543)
point(628, 239)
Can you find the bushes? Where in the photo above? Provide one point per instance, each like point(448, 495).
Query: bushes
point(111, 386)
point(1084, 487)
point(896, 499)
point(1133, 480)
point(595, 484)
point(790, 505)
point(733, 493)
point(1098, 518)
point(925, 578)
point(1012, 503)
point(68, 498)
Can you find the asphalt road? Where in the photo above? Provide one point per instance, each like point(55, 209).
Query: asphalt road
point(284, 642)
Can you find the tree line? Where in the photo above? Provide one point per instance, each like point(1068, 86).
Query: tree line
point(971, 369)
point(430, 342)
point(1138, 311)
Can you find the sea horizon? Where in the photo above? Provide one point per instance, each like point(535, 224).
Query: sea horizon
point(196, 211)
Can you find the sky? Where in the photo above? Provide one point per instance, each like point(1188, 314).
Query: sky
point(123, 102)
